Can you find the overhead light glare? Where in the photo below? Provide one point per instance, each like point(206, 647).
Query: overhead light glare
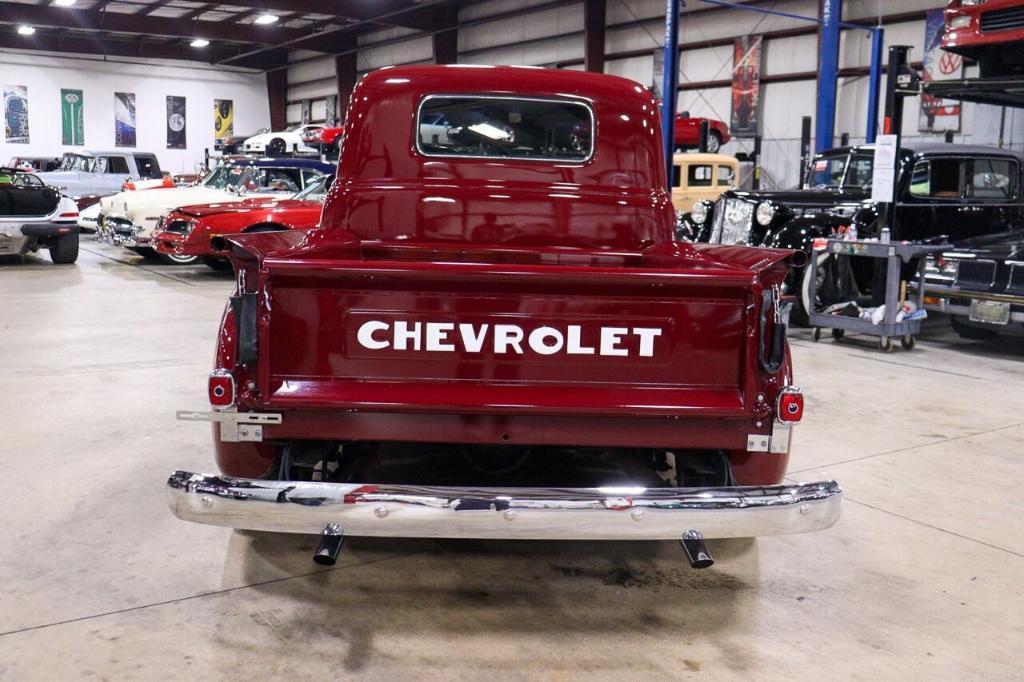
point(200, 42)
point(265, 19)
point(26, 30)
point(64, 3)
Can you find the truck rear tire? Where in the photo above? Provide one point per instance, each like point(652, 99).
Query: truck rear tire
point(64, 249)
point(214, 263)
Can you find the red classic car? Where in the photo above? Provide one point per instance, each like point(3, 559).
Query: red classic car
point(687, 132)
point(493, 334)
point(187, 231)
point(989, 31)
point(328, 138)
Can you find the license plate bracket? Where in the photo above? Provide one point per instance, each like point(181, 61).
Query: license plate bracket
point(990, 312)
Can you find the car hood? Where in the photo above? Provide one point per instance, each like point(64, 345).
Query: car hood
point(253, 204)
point(803, 198)
point(163, 199)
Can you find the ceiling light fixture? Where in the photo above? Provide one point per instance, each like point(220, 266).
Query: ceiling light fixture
point(265, 19)
point(64, 3)
point(200, 42)
point(26, 30)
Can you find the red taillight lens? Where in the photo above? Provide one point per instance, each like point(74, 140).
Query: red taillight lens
point(221, 388)
point(791, 405)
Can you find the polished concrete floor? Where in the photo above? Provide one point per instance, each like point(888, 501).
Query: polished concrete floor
point(922, 578)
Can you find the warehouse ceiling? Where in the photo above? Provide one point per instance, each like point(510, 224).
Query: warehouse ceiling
point(256, 35)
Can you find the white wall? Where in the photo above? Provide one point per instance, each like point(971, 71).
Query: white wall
point(151, 82)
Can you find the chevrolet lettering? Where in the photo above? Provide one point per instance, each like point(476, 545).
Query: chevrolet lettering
point(507, 338)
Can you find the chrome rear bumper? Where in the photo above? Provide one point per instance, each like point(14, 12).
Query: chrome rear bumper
point(614, 513)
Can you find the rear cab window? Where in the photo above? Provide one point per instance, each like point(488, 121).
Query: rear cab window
point(699, 175)
point(505, 128)
point(991, 179)
point(937, 178)
point(115, 164)
point(726, 176)
point(148, 167)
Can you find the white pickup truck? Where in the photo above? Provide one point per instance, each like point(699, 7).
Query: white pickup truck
point(87, 176)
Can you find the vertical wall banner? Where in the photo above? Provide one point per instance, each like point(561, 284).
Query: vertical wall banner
point(175, 122)
point(72, 119)
point(16, 114)
point(658, 74)
point(331, 115)
point(746, 86)
point(938, 115)
point(307, 105)
point(124, 119)
point(223, 119)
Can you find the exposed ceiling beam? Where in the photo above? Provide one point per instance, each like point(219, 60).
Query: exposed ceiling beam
point(93, 44)
point(406, 13)
point(423, 16)
point(90, 20)
point(146, 9)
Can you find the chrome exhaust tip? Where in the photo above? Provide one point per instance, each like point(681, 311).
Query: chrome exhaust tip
point(696, 551)
point(331, 539)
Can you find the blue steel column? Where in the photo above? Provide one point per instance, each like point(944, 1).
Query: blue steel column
point(830, 12)
point(874, 82)
point(670, 83)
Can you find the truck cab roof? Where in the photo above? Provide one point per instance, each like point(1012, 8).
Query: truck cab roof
point(502, 155)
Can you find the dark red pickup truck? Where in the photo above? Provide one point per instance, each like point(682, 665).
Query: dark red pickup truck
point(495, 284)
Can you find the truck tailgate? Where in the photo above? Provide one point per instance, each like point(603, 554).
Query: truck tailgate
point(500, 338)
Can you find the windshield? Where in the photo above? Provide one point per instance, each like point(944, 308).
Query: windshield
point(227, 177)
point(77, 162)
point(16, 179)
point(315, 191)
point(292, 129)
point(835, 171)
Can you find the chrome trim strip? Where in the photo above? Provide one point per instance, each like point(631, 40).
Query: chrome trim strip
point(954, 292)
point(612, 513)
point(228, 415)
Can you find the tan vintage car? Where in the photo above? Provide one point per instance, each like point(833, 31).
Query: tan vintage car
point(701, 176)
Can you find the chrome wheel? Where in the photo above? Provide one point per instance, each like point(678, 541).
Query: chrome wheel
point(173, 259)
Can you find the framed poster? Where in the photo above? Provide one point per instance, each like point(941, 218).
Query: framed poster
point(16, 114)
point(746, 86)
point(306, 107)
point(72, 119)
point(223, 118)
point(938, 115)
point(124, 119)
point(175, 122)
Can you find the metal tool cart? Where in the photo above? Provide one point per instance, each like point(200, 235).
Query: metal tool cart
point(895, 254)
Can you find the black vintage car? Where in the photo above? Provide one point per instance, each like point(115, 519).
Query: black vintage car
point(980, 284)
point(946, 193)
